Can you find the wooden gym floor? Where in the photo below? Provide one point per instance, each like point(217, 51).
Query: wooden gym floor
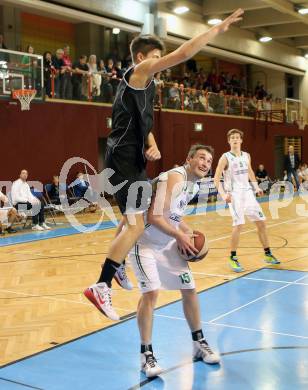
point(41, 282)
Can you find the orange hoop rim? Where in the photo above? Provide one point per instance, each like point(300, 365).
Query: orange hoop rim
point(23, 92)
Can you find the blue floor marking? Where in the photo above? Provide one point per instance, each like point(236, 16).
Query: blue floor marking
point(109, 359)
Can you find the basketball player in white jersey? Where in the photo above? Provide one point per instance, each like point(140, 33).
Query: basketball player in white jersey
point(238, 190)
point(156, 260)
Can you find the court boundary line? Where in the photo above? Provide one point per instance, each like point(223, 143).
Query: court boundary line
point(257, 299)
point(20, 383)
point(122, 320)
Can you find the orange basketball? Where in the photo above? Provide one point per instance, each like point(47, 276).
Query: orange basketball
point(200, 243)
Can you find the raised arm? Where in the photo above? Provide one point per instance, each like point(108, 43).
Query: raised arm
point(222, 165)
point(186, 50)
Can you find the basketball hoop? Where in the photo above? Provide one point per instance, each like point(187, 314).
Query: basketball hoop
point(25, 97)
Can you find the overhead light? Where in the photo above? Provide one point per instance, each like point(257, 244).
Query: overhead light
point(265, 39)
point(116, 31)
point(306, 56)
point(303, 11)
point(214, 21)
point(181, 10)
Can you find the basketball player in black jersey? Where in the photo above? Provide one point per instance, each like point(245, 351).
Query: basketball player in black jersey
point(131, 143)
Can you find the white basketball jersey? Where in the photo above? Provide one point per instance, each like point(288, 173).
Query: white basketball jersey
point(153, 235)
point(236, 176)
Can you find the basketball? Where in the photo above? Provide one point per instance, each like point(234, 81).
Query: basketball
point(201, 243)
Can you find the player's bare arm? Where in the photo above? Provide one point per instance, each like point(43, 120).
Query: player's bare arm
point(222, 165)
point(152, 153)
point(147, 68)
point(253, 179)
point(164, 194)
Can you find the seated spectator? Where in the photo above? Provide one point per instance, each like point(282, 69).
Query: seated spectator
point(205, 102)
point(54, 191)
point(8, 215)
point(80, 185)
point(48, 69)
point(174, 97)
point(23, 199)
point(81, 71)
point(58, 64)
point(111, 68)
point(252, 105)
point(234, 104)
point(235, 84)
point(261, 174)
point(267, 103)
point(96, 78)
point(217, 102)
point(303, 173)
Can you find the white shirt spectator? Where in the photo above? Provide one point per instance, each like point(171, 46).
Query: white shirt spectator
point(21, 193)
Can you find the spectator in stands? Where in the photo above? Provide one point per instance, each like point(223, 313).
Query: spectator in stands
point(2, 45)
point(261, 174)
point(81, 70)
point(252, 105)
point(267, 103)
point(66, 83)
point(174, 97)
point(101, 68)
point(48, 69)
point(235, 104)
point(54, 190)
point(111, 68)
point(96, 77)
point(261, 93)
point(212, 80)
point(119, 70)
point(3, 56)
point(159, 85)
point(58, 63)
point(303, 173)
point(235, 84)
point(80, 185)
point(291, 163)
point(205, 101)
point(8, 215)
point(23, 199)
point(29, 65)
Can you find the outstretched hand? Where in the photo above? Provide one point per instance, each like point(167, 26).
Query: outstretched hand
point(234, 18)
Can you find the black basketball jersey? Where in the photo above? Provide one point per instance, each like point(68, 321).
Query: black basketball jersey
point(132, 121)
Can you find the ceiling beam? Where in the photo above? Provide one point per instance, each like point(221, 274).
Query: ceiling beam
point(286, 7)
point(214, 7)
point(292, 30)
point(301, 42)
point(265, 17)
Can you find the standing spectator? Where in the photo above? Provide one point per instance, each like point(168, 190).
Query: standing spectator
point(174, 97)
point(303, 173)
point(2, 45)
point(252, 105)
point(119, 70)
point(81, 70)
point(212, 80)
point(58, 64)
point(96, 77)
point(101, 67)
point(3, 56)
point(106, 87)
point(29, 65)
point(22, 198)
point(159, 85)
point(7, 215)
point(48, 69)
point(66, 84)
point(291, 163)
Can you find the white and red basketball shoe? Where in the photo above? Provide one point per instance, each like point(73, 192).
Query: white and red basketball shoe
point(122, 279)
point(100, 295)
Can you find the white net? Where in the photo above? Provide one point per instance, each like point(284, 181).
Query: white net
point(25, 97)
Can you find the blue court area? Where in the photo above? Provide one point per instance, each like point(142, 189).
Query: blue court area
point(257, 322)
